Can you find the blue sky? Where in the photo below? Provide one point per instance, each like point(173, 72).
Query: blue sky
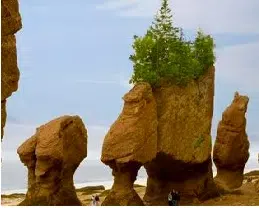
point(73, 58)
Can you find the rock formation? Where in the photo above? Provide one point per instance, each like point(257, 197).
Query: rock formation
point(11, 23)
point(257, 186)
point(130, 143)
point(52, 155)
point(183, 160)
point(230, 152)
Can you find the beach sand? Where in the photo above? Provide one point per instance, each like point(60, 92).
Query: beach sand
point(84, 196)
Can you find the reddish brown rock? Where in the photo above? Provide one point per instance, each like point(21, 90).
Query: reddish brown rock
point(130, 143)
point(11, 18)
point(52, 155)
point(11, 23)
point(183, 160)
point(230, 152)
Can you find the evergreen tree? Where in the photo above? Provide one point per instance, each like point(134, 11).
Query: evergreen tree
point(163, 53)
point(162, 27)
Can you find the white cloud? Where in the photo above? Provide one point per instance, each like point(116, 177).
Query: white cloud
point(214, 16)
point(239, 65)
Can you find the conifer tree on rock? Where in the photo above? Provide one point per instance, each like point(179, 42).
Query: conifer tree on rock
point(163, 53)
point(181, 74)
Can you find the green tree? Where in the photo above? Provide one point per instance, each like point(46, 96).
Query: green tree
point(203, 50)
point(162, 27)
point(163, 53)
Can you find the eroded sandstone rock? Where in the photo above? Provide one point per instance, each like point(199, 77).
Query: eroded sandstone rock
point(130, 143)
point(11, 23)
point(52, 155)
point(231, 147)
point(183, 160)
point(257, 186)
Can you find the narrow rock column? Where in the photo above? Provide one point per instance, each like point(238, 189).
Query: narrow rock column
point(130, 143)
point(231, 147)
point(124, 178)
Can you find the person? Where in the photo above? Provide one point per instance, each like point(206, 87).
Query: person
point(170, 199)
point(177, 198)
point(93, 201)
point(174, 202)
point(97, 200)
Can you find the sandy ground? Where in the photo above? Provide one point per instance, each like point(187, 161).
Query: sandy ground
point(244, 196)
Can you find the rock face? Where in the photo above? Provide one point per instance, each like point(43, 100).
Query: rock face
point(257, 186)
point(130, 143)
point(11, 23)
point(183, 160)
point(52, 155)
point(230, 152)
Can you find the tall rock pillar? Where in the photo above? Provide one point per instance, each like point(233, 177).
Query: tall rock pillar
point(11, 23)
point(130, 143)
point(183, 160)
point(231, 146)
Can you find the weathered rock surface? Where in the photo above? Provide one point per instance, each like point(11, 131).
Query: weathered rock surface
point(11, 23)
point(52, 155)
point(130, 143)
point(230, 152)
point(257, 186)
point(183, 160)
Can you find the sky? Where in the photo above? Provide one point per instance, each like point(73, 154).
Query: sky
point(73, 59)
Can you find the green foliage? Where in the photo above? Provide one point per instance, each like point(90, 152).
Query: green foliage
point(163, 52)
point(198, 142)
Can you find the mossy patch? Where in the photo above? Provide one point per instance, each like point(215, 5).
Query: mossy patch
point(199, 141)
